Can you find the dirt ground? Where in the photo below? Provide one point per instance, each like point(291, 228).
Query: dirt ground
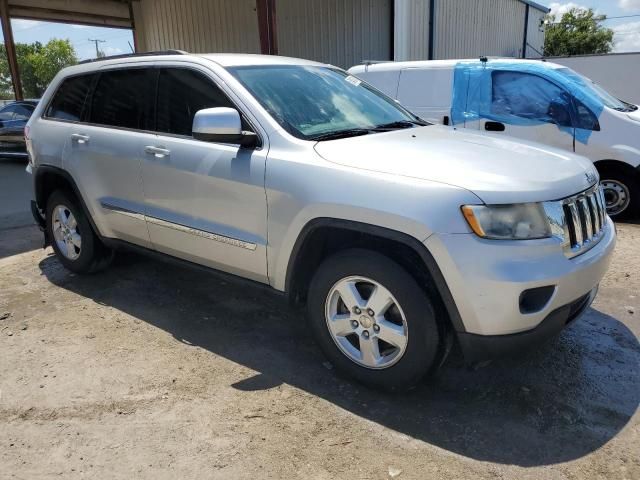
point(150, 370)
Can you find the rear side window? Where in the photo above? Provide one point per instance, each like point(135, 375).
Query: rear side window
point(23, 112)
point(181, 93)
point(69, 100)
point(119, 99)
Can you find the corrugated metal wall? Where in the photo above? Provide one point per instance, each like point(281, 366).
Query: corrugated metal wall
point(470, 28)
point(340, 32)
point(411, 33)
point(535, 33)
point(198, 25)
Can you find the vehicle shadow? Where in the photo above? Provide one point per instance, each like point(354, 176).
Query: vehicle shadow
point(554, 405)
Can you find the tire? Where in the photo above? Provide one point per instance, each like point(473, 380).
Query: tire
point(619, 185)
point(400, 366)
point(75, 243)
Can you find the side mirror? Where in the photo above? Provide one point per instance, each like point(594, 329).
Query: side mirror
point(221, 125)
point(560, 114)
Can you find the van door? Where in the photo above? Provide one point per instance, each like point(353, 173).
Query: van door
point(529, 107)
point(427, 92)
point(103, 153)
point(204, 202)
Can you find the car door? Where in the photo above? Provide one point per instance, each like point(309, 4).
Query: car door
point(525, 106)
point(103, 153)
point(204, 201)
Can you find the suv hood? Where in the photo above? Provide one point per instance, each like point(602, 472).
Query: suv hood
point(497, 169)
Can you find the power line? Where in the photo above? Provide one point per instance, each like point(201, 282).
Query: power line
point(622, 16)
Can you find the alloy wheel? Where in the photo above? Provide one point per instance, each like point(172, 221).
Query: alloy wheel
point(66, 233)
point(366, 322)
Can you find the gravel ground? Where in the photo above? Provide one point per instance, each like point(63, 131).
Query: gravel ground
point(151, 370)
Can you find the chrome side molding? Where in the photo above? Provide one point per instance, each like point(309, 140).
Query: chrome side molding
point(216, 237)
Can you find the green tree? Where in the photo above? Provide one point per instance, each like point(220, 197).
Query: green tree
point(579, 32)
point(38, 65)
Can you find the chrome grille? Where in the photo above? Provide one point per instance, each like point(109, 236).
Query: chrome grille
point(584, 216)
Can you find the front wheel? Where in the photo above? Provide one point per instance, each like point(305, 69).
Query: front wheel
point(372, 319)
point(77, 246)
point(621, 194)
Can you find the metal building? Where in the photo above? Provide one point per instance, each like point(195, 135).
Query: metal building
point(441, 29)
point(341, 32)
point(344, 32)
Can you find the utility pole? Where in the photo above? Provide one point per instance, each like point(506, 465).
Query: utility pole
point(96, 41)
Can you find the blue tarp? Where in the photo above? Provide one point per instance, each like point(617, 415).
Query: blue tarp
point(526, 94)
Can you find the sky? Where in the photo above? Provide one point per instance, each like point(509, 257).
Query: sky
point(29, 31)
point(627, 30)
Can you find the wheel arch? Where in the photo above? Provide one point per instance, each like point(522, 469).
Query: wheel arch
point(322, 237)
point(610, 164)
point(48, 179)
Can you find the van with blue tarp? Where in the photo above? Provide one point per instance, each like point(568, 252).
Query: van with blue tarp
point(529, 99)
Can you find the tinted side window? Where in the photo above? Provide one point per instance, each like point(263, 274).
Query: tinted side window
point(119, 99)
point(181, 93)
point(68, 102)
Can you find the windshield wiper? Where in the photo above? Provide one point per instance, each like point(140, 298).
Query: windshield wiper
point(400, 124)
point(628, 107)
point(351, 132)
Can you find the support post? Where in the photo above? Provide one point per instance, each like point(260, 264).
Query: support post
point(432, 28)
point(267, 26)
point(10, 49)
point(526, 31)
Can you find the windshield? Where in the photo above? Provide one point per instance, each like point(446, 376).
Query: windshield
point(316, 103)
point(607, 99)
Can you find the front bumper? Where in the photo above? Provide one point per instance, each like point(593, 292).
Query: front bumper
point(487, 277)
point(478, 348)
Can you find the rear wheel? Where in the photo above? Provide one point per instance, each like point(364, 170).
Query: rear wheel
point(372, 320)
point(621, 193)
point(74, 241)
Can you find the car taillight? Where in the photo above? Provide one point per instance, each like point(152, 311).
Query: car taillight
point(26, 132)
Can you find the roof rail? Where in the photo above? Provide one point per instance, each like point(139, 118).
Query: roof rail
point(133, 55)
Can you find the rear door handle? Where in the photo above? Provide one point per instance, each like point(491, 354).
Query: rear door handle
point(157, 152)
point(494, 127)
point(79, 138)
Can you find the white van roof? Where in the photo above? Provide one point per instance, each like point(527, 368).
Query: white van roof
point(393, 66)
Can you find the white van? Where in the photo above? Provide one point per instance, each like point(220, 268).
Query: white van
point(528, 99)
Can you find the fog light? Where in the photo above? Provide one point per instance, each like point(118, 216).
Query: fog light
point(535, 299)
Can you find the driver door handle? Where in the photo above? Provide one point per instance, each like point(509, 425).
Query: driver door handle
point(157, 152)
point(494, 127)
point(79, 138)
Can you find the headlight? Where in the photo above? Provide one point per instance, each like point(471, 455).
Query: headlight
point(524, 221)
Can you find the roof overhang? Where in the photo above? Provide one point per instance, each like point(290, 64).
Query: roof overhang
point(102, 13)
point(537, 6)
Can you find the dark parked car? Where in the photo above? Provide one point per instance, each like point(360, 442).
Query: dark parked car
point(13, 118)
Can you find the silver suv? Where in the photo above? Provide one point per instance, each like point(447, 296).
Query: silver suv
point(397, 235)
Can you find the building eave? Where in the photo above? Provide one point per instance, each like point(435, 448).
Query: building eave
point(536, 5)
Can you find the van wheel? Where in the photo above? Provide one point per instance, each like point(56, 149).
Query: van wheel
point(74, 241)
point(372, 320)
point(621, 194)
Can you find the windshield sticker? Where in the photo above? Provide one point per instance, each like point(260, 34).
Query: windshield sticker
point(353, 80)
